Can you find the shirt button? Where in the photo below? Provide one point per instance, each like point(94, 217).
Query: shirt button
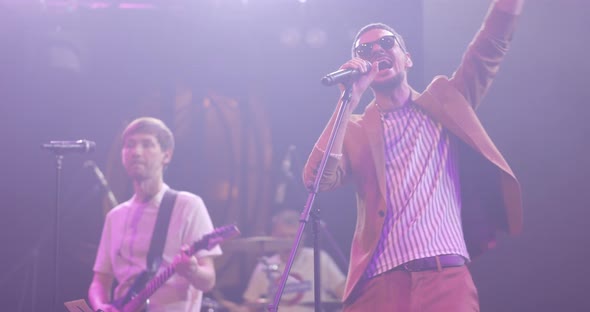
point(381, 213)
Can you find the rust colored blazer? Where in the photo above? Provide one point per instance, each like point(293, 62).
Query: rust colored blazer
point(491, 196)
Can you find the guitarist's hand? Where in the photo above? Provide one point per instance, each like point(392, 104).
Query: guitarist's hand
point(186, 266)
point(199, 271)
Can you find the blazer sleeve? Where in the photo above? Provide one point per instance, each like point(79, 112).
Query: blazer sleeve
point(335, 173)
point(481, 61)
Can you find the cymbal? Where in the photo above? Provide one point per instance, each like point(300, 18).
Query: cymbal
point(258, 244)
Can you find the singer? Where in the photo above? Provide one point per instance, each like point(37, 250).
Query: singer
point(432, 188)
point(127, 245)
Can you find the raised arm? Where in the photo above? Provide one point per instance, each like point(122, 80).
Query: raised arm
point(481, 61)
point(510, 6)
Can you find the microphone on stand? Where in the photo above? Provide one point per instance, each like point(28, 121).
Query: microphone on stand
point(61, 147)
point(103, 182)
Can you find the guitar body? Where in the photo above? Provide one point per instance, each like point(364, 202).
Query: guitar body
point(127, 308)
point(136, 298)
point(122, 307)
point(133, 291)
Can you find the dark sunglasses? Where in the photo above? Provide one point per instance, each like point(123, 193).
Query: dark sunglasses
point(364, 50)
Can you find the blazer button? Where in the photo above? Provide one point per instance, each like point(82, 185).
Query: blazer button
point(381, 213)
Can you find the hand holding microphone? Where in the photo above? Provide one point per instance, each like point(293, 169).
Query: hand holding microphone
point(358, 74)
point(349, 72)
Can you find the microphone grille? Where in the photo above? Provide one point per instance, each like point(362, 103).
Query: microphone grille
point(89, 146)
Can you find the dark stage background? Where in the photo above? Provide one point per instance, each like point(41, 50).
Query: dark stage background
point(238, 82)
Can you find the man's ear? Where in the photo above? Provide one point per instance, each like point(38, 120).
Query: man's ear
point(168, 156)
point(409, 62)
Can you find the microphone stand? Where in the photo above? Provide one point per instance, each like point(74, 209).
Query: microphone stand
point(59, 164)
point(346, 95)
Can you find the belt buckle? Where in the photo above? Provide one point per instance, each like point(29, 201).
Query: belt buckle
point(418, 265)
point(408, 268)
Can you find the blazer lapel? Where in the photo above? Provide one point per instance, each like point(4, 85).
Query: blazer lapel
point(374, 131)
point(448, 108)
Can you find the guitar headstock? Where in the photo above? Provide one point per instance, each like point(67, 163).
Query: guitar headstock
point(216, 237)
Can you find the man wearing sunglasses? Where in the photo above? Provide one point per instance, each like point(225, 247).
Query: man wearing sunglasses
point(432, 188)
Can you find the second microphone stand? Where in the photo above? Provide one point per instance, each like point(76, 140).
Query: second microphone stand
point(56, 226)
point(307, 211)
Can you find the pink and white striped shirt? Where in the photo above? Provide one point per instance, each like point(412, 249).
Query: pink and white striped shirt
point(423, 216)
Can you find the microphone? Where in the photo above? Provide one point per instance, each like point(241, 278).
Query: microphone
point(103, 182)
point(343, 76)
point(61, 147)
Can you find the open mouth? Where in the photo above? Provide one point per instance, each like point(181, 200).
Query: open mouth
point(385, 64)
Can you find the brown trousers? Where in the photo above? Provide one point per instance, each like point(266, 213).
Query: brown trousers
point(448, 290)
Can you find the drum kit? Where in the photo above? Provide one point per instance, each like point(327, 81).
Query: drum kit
point(259, 245)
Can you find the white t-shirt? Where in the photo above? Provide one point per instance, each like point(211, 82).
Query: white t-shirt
point(126, 238)
point(298, 295)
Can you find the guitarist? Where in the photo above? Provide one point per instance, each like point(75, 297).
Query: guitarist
point(148, 145)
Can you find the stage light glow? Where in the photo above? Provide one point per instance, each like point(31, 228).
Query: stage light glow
point(316, 38)
point(291, 37)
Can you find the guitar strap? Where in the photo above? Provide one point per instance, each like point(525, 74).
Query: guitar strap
point(154, 256)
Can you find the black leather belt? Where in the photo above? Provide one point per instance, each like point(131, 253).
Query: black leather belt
point(432, 263)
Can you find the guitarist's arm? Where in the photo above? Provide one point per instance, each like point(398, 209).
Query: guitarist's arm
point(199, 271)
point(98, 292)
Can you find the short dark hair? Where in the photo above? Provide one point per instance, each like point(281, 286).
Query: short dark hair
point(371, 26)
point(152, 126)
